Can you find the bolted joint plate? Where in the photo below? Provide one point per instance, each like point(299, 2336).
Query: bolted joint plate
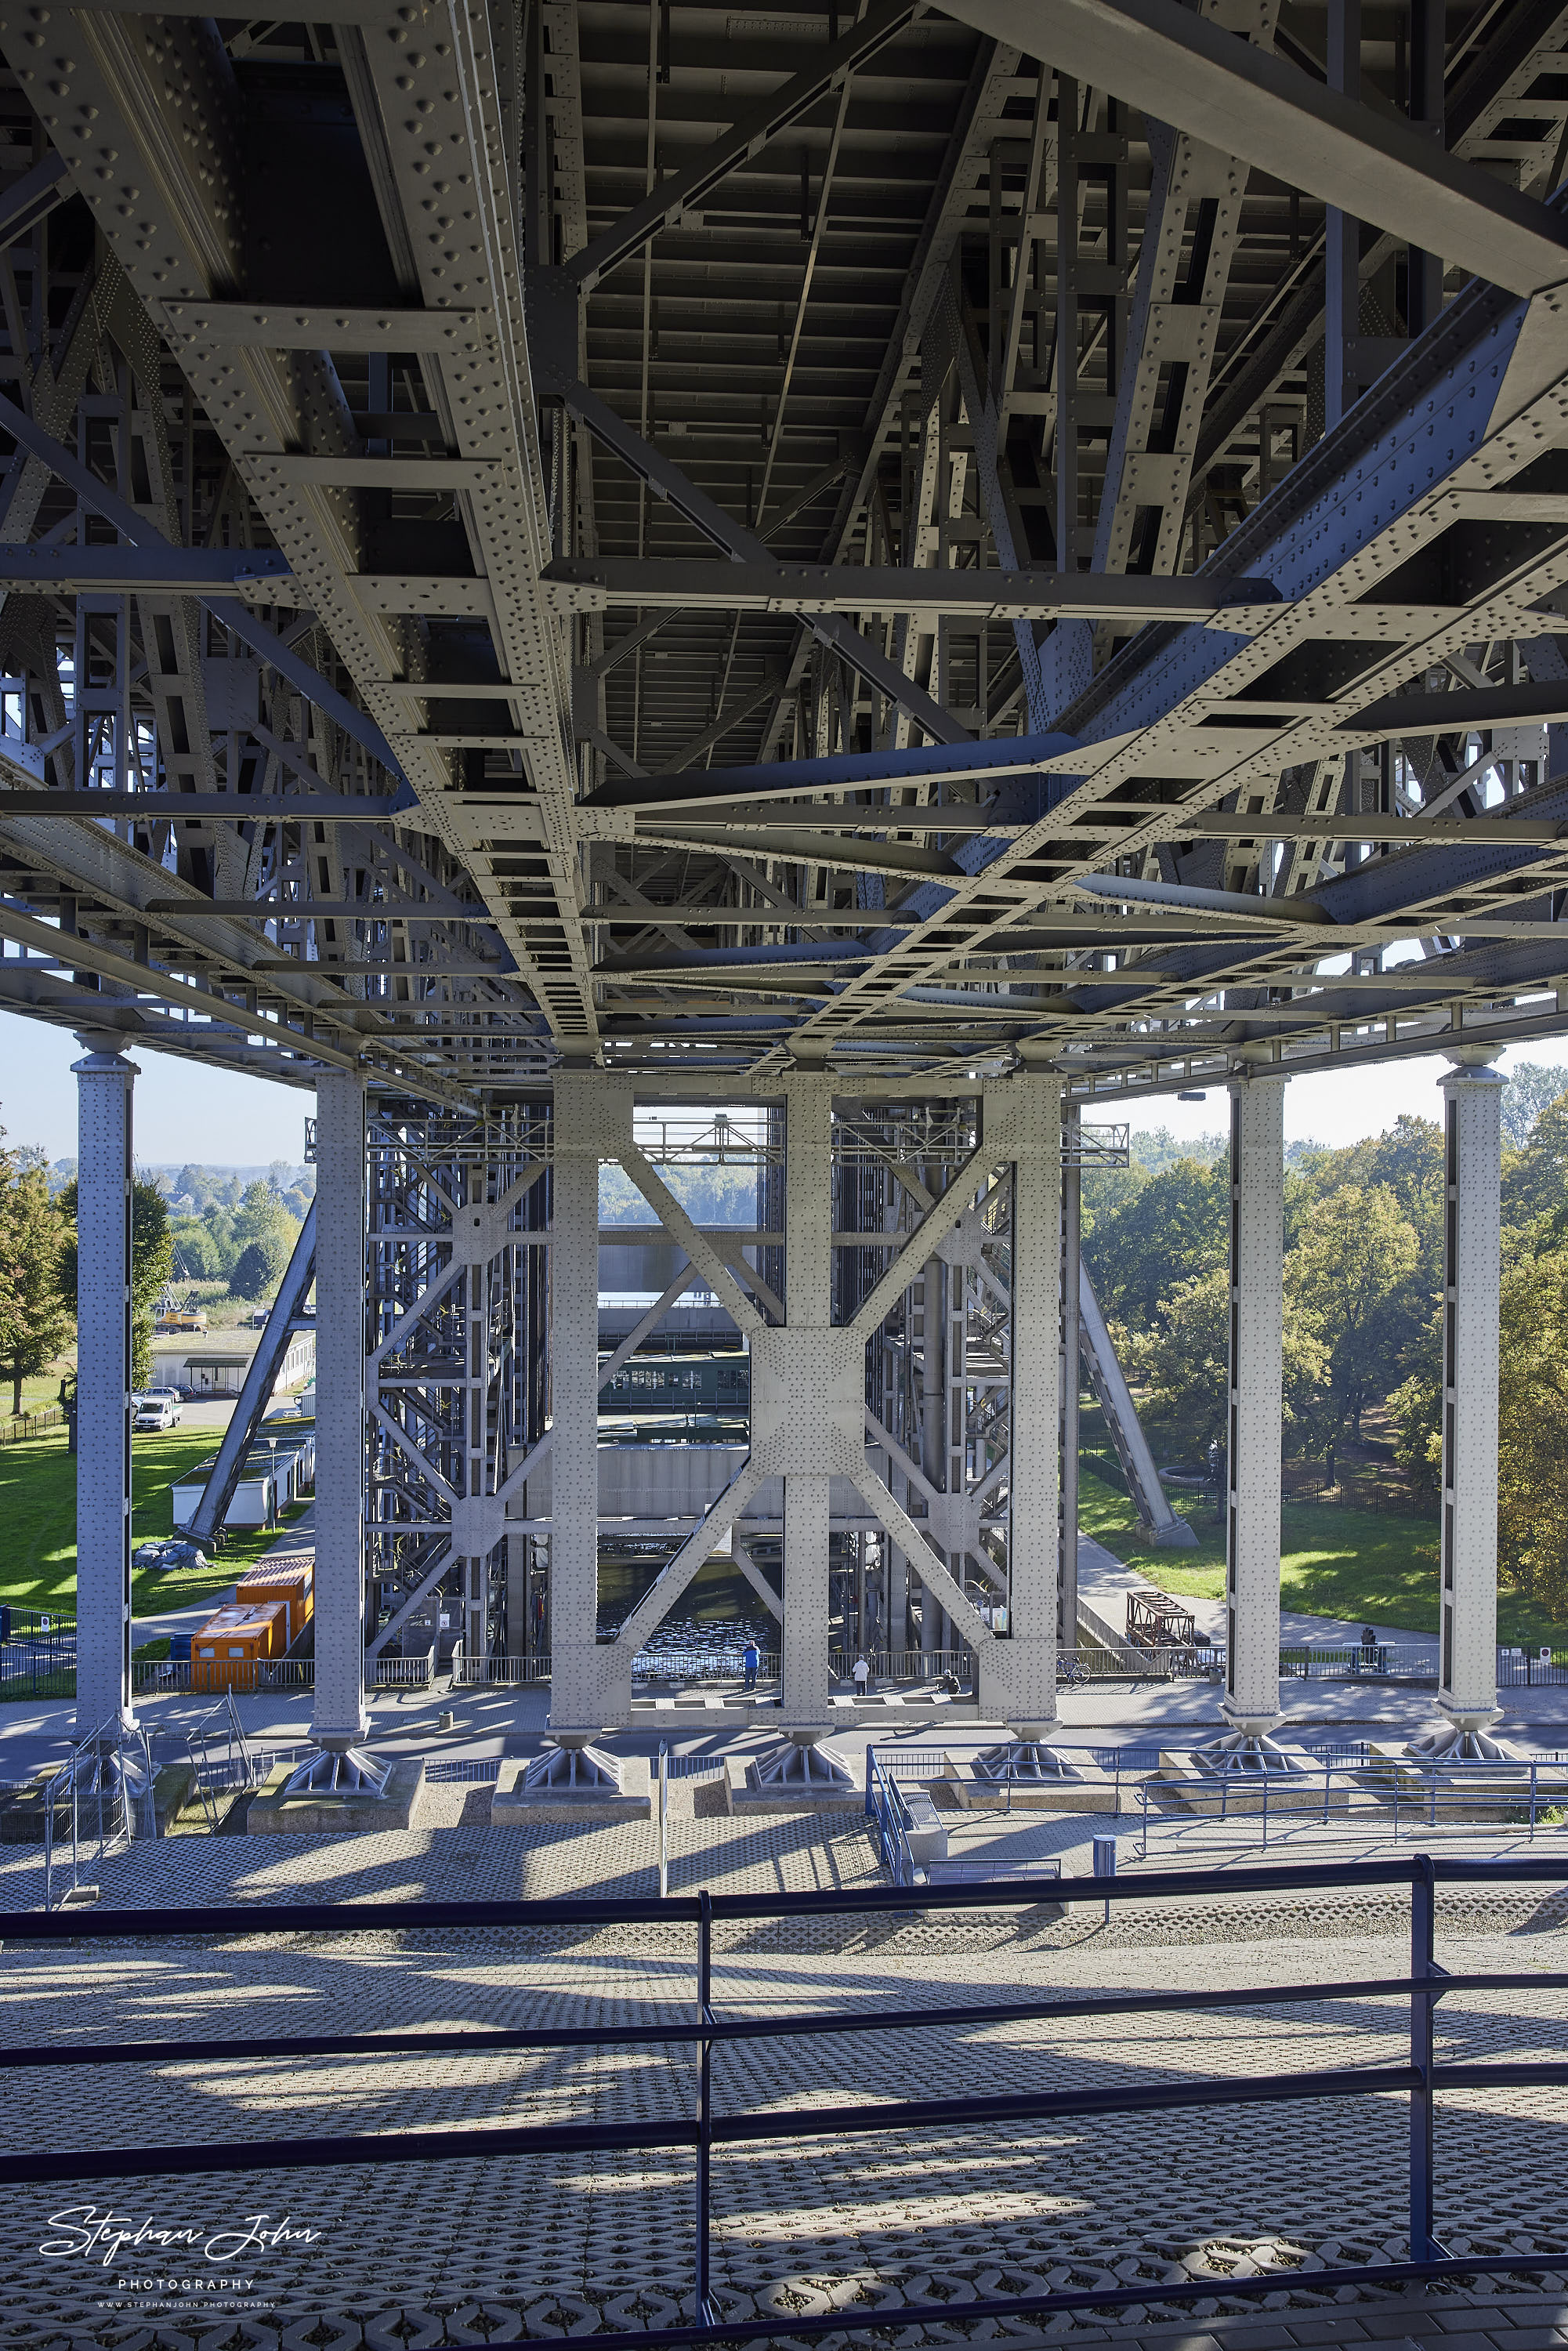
point(808, 1390)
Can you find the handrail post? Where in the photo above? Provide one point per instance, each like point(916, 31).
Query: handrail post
point(1423, 1922)
point(663, 1819)
point(705, 2314)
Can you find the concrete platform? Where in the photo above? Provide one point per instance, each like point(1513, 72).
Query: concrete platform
point(315, 1814)
point(514, 1806)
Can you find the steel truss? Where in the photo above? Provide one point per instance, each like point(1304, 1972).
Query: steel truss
point(1124, 581)
point(1137, 630)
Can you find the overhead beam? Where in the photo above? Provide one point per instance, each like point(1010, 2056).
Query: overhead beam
point(601, 584)
point(1184, 69)
point(855, 771)
point(746, 137)
point(159, 570)
point(1461, 710)
point(720, 530)
point(231, 808)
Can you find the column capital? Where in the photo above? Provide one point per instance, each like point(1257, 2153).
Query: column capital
point(1472, 1067)
point(1255, 1066)
point(106, 1049)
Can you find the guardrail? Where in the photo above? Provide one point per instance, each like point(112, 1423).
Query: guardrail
point(469, 1673)
point(245, 1676)
point(1378, 1797)
point(710, 2128)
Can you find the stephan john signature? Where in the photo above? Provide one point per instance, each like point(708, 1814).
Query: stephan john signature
point(89, 2233)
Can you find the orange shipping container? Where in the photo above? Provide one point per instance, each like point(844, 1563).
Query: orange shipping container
point(290, 1577)
point(226, 1651)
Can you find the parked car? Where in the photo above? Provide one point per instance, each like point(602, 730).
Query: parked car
point(154, 1415)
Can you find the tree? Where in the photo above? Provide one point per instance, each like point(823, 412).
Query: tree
point(1526, 1095)
point(262, 1217)
point(1535, 1182)
point(1187, 1361)
point(151, 1265)
point(278, 1175)
point(196, 1254)
point(256, 1268)
point(1532, 1432)
point(1350, 1275)
point(220, 1226)
point(35, 1322)
point(1172, 1228)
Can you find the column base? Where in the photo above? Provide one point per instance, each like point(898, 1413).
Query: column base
point(111, 1775)
point(340, 1742)
point(1023, 1759)
point(573, 1767)
point(337, 1769)
point(799, 1763)
point(1248, 1748)
point(1463, 1738)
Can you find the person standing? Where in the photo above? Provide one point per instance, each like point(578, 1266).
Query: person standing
point(750, 1661)
point(862, 1675)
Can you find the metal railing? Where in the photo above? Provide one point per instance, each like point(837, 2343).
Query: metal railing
point(247, 1676)
point(1374, 1797)
point(108, 1780)
point(393, 1672)
point(488, 1672)
point(701, 1666)
point(711, 2128)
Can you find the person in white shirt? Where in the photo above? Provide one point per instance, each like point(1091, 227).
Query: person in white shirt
point(862, 1675)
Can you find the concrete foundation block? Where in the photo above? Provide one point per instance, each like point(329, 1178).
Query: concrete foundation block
point(1092, 1793)
point(745, 1797)
point(401, 1805)
point(513, 1806)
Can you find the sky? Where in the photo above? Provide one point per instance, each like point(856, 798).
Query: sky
point(183, 1112)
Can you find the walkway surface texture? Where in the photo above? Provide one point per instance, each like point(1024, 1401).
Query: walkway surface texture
point(419, 2254)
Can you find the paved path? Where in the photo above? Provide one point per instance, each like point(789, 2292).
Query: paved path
point(582, 2242)
point(1105, 1580)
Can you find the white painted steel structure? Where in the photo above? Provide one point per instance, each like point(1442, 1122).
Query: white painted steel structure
point(843, 569)
point(104, 1082)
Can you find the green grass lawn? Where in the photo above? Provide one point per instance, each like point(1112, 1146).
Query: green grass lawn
point(1335, 1560)
point(37, 1514)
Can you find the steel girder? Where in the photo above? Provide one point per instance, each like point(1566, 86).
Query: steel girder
point(889, 272)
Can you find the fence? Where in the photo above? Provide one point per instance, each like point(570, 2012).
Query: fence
point(37, 1653)
point(247, 1677)
point(31, 1423)
point(1372, 1797)
point(489, 1672)
point(709, 2129)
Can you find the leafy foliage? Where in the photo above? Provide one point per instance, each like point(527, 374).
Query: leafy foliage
point(151, 1264)
point(36, 1323)
point(1173, 1230)
point(256, 1268)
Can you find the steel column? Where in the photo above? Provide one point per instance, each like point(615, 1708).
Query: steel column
point(338, 1719)
point(593, 1123)
point(1071, 1370)
point(1466, 1685)
point(1028, 1699)
point(808, 1273)
point(104, 1080)
point(1256, 1422)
